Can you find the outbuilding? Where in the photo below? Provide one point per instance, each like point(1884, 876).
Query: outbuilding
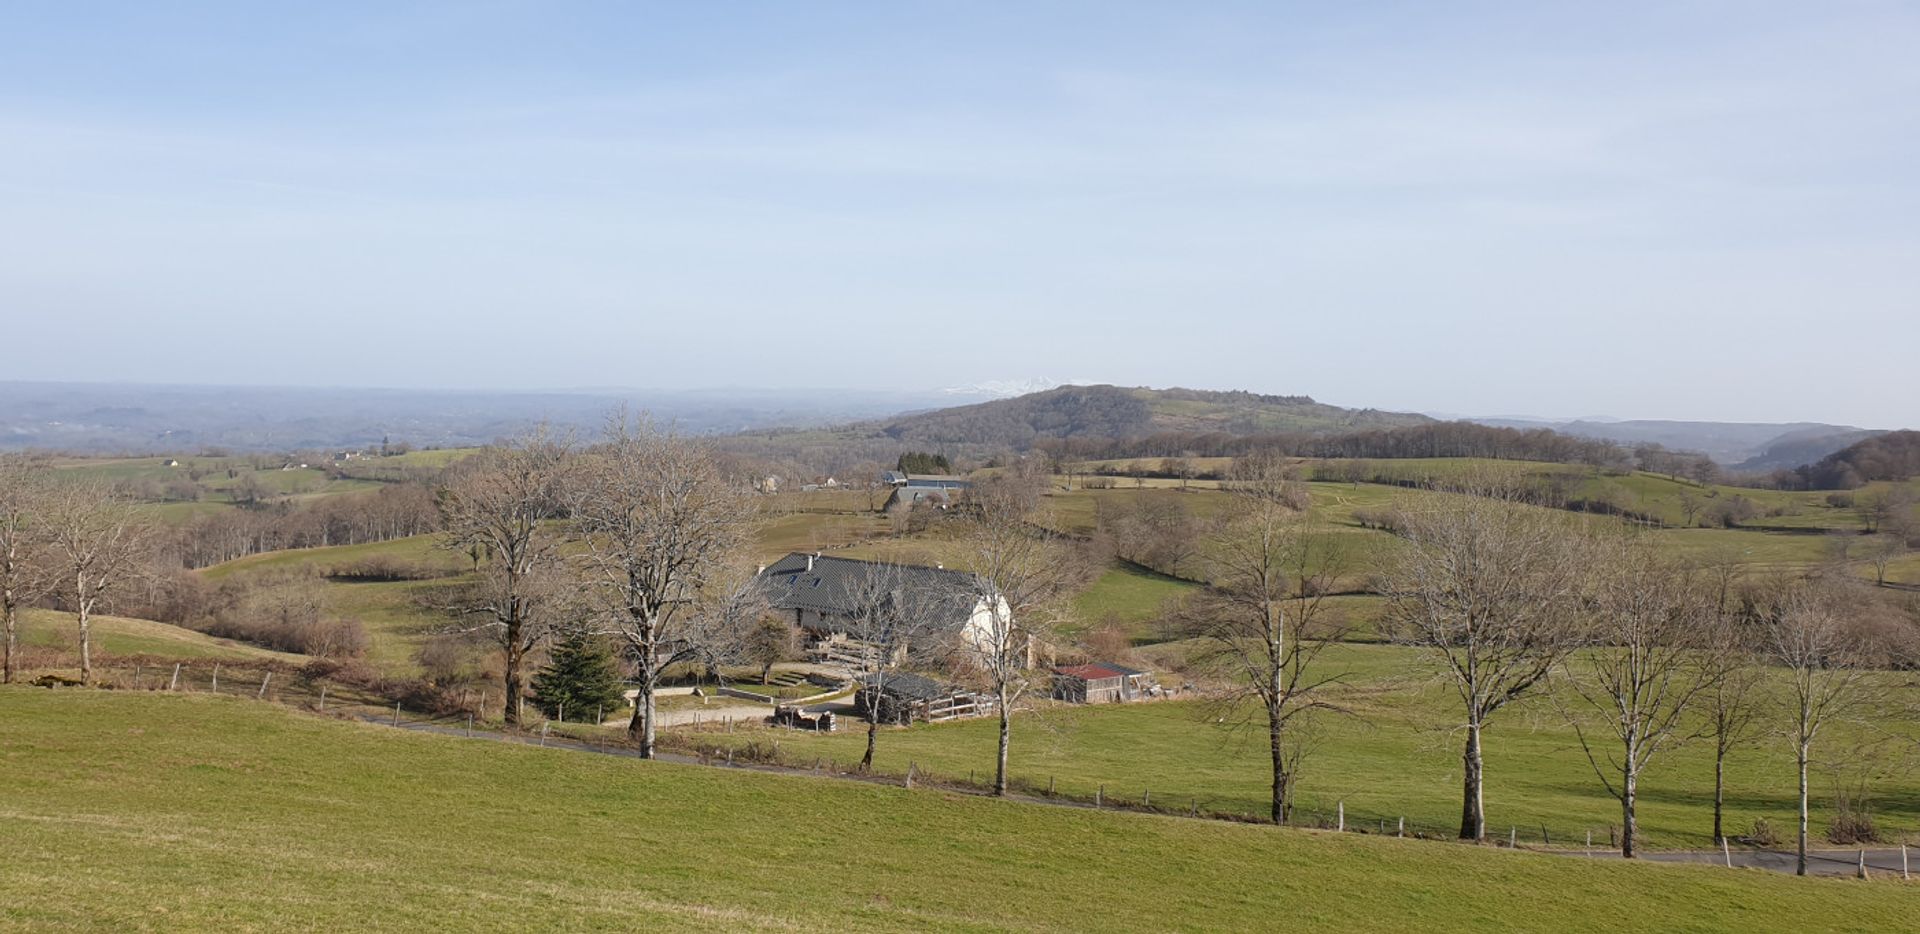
point(901, 697)
point(1099, 683)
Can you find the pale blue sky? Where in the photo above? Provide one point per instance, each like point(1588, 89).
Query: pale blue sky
point(1662, 210)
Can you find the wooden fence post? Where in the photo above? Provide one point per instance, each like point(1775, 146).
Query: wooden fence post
point(323, 698)
point(1100, 796)
point(1340, 820)
point(469, 726)
point(1861, 873)
point(544, 724)
point(263, 684)
point(1589, 841)
point(1544, 839)
point(396, 713)
point(910, 768)
point(1146, 798)
point(1903, 862)
point(1403, 828)
point(1726, 851)
point(175, 685)
point(1513, 837)
point(1049, 786)
point(216, 677)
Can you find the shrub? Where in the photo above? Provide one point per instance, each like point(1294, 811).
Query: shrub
point(1761, 833)
point(386, 569)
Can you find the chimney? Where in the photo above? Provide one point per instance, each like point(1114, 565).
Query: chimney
point(810, 561)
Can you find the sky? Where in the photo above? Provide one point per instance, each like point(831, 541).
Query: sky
point(1671, 209)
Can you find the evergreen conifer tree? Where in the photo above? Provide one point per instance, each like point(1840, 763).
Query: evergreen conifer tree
point(580, 678)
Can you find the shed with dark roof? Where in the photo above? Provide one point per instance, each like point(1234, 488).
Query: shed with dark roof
point(902, 697)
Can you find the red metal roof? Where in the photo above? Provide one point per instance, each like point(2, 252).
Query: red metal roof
point(1091, 672)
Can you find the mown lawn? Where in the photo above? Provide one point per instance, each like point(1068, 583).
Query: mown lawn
point(1397, 755)
point(135, 810)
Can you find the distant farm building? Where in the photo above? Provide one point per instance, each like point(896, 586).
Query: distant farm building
point(912, 489)
point(823, 596)
point(1101, 683)
point(169, 462)
point(908, 698)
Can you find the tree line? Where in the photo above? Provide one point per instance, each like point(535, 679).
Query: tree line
point(1639, 650)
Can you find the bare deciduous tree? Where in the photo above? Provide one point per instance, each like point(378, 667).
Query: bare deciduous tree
point(493, 508)
point(1882, 549)
point(23, 502)
point(1018, 570)
point(655, 521)
point(890, 625)
point(1271, 574)
point(1732, 703)
point(1489, 587)
point(1646, 668)
point(100, 541)
point(1826, 678)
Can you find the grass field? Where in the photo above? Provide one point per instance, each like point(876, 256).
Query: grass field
point(116, 635)
point(136, 811)
point(1130, 594)
point(1396, 756)
point(395, 617)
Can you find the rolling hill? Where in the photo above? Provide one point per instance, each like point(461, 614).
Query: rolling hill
point(1121, 412)
point(1748, 446)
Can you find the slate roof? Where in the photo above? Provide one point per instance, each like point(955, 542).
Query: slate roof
point(910, 686)
point(833, 586)
point(938, 481)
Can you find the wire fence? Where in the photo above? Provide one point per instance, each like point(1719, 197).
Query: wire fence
point(739, 743)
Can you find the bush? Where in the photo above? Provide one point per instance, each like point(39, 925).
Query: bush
point(1852, 821)
point(282, 611)
point(386, 569)
point(1761, 833)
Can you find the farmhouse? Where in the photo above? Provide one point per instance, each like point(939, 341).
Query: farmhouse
point(823, 595)
point(1100, 683)
point(904, 698)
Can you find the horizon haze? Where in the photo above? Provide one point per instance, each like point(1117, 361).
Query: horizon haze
point(1643, 210)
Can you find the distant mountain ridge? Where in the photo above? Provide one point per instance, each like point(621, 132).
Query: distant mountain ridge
point(133, 418)
point(1104, 411)
point(1746, 446)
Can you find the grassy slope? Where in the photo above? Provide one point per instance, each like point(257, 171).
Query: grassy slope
point(144, 810)
point(118, 635)
point(1129, 594)
point(391, 611)
point(1396, 757)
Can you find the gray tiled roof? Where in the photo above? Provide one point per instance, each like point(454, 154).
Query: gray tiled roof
point(911, 686)
point(832, 585)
